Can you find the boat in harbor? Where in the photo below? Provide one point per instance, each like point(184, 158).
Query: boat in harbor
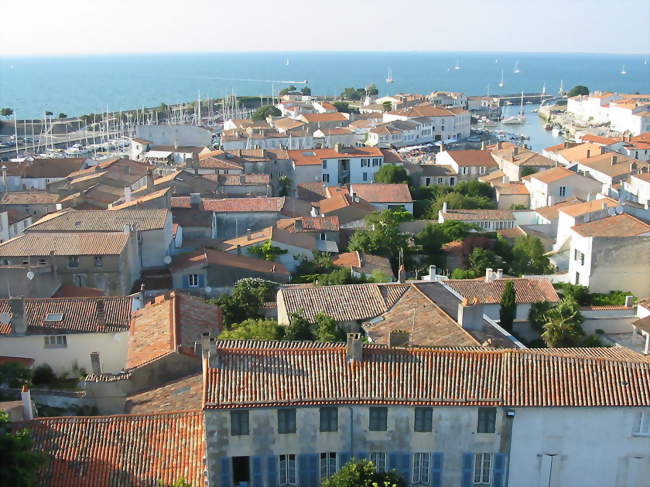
point(516, 70)
point(516, 119)
point(623, 70)
point(389, 77)
point(457, 65)
point(501, 82)
point(555, 132)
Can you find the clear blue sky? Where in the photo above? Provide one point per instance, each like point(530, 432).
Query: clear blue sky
point(122, 26)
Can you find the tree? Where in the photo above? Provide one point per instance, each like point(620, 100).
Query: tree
point(266, 251)
point(528, 256)
point(6, 112)
point(508, 307)
point(246, 300)
point(527, 171)
point(388, 106)
point(383, 236)
point(353, 93)
point(254, 329)
point(537, 315)
point(299, 329)
point(20, 464)
point(391, 174)
point(287, 90)
point(338, 276)
point(306, 91)
point(327, 330)
point(285, 185)
point(372, 90)
point(481, 259)
point(578, 90)
point(562, 327)
point(48, 114)
point(344, 107)
point(361, 473)
point(62, 115)
point(266, 111)
point(14, 374)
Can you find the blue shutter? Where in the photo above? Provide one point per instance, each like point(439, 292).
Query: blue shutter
point(468, 464)
point(436, 470)
point(225, 472)
point(392, 460)
point(499, 469)
point(405, 466)
point(313, 470)
point(186, 282)
point(303, 469)
point(362, 455)
point(344, 457)
point(201, 281)
point(272, 471)
point(256, 473)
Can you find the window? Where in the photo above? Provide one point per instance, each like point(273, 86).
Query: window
point(99, 261)
point(577, 278)
point(326, 178)
point(56, 341)
point(582, 258)
point(486, 420)
point(329, 419)
point(79, 280)
point(327, 464)
point(423, 419)
point(427, 181)
point(56, 317)
point(365, 162)
point(562, 190)
point(421, 469)
point(440, 180)
point(365, 176)
point(238, 423)
point(287, 470)
point(286, 421)
point(482, 468)
point(465, 170)
point(376, 162)
point(379, 460)
point(42, 261)
point(324, 164)
point(73, 261)
point(643, 426)
point(575, 254)
point(241, 474)
point(378, 419)
point(323, 236)
point(193, 280)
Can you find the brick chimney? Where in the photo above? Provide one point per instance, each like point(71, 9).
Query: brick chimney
point(354, 347)
point(399, 338)
point(17, 308)
point(101, 312)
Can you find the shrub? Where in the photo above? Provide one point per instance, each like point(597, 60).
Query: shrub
point(43, 375)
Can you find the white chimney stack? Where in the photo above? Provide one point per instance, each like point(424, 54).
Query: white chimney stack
point(489, 276)
point(499, 273)
point(26, 397)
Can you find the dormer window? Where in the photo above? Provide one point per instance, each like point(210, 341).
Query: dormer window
point(54, 317)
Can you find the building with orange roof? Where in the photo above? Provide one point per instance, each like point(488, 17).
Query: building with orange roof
point(384, 196)
point(611, 253)
point(468, 164)
point(554, 185)
point(436, 124)
point(638, 186)
point(515, 160)
point(611, 168)
point(580, 212)
point(625, 113)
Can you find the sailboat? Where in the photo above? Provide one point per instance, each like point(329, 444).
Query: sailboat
point(645, 60)
point(457, 65)
point(623, 70)
point(516, 70)
point(389, 78)
point(286, 62)
point(501, 82)
point(516, 119)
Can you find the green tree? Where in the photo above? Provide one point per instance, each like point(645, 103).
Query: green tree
point(527, 171)
point(326, 329)
point(372, 90)
point(578, 90)
point(48, 114)
point(287, 90)
point(266, 251)
point(344, 107)
point(338, 276)
point(362, 473)
point(391, 174)
point(266, 111)
point(383, 236)
point(20, 464)
point(285, 185)
point(388, 106)
point(537, 315)
point(299, 329)
point(246, 300)
point(528, 256)
point(353, 94)
point(254, 329)
point(14, 374)
point(475, 188)
point(179, 483)
point(562, 327)
point(481, 259)
point(63, 115)
point(6, 112)
point(306, 91)
point(508, 307)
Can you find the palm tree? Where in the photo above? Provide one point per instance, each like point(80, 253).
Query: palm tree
point(562, 327)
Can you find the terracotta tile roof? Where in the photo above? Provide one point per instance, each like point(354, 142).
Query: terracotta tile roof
point(176, 395)
point(623, 225)
point(580, 151)
point(614, 165)
point(466, 158)
point(313, 191)
point(325, 117)
point(597, 139)
point(70, 291)
point(343, 302)
point(29, 198)
point(552, 175)
point(512, 188)
point(275, 234)
point(244, 205)
point(551, 212)
point(161, 193)
point(524, 158)
point(339, 198)
point(526, 290)
point(512, 233)
point(310, 224)
point(492, 176)
point(269, 374)
point(335, 131)
point(173, 322)
point(559, 147)
point(643, 324)
point(391, 156)
point(120, 451)
point(24, 361)
point(224, 259)
point(219, 163)
point(80, 315)
point(365, 263)
point(239, 179)
point(467, 215)
point(643, 177)
point(45, 168)
point(311, 157)
point(382, 193)
point(101, 221)
point(68, 243)
point(583, 208)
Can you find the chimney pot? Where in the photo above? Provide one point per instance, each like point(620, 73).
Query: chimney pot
point(588, 153)
point(488, 275)
point(401, 274)
point(614, 160)
point(432, 272)
point(629, 301)
point(249, 234)
point(499, 273)
point(26, 397)
point(354, 347)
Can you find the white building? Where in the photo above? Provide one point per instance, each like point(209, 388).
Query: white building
point(489, 220)
point(13, 223)
point(446, 124)
point(624, 112)
point(639, 186)
point(468, 164)
point(384, 196)
point(552, 186)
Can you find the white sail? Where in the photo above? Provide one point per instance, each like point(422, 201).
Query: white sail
point(516, 69)
point(501, 82)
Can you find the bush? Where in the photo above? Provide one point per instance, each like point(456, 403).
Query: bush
point(14, 374)
point(536, 315)
point(43, 375)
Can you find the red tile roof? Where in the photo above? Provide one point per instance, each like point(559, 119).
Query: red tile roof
point(120, 451)
point(311, 157)
point(325, 117)
point(70, 291)
point(473, 158)
point(383, 193)
point(624, 225)
point(65, 243)
point(29, 198)
point(243, 205)
point(526, 290)
point(268, 374)
point(219, 258)
point(176, 395)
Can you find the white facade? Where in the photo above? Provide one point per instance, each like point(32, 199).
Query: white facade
point(547, 194)
point(11, 230)
point(639, 187)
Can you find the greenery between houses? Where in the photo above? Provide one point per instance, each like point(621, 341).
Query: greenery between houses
point(508, 307)
point(583, 297)
point(266, 111)
point(356, 94)
point(322, 329)
point(20, 464)
point(320, 270)
point(344, 107)
point(469, 195)
point(391, 174)
point(362, 473)
point(382, 236)
point(246, 300)
point(266, 251)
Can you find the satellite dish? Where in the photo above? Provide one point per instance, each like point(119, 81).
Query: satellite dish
point(208, 289)
point(167, 259)
point(619, 210)
point(30, 275)
point(611, 211)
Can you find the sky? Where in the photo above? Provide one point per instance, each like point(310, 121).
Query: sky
point(44, 27)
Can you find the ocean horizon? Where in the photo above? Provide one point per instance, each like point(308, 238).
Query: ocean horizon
point(79, 84)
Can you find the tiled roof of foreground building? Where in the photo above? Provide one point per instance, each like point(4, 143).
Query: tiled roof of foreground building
point(268, 374)
point(120, 451)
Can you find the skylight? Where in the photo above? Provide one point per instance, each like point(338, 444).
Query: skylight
point(54, 317)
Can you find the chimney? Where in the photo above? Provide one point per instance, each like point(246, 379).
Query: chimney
point(565, 145)
point(195, 199)
point(432, 272)
point(249, 234)
point(489, 276)
point(101, 312)
point(499, 273)
point(499, 145)
point(515, 151)
point(213, 358)
point(399, 338)
point(603, 204)
point(444, 207)
point(17, 308)
point(588, 153)
point(149, 179)
point(401, 274)
point(127, 194)
point(238, 249)
point(482, 145)
point(354, 347)
point(629, 301)
point(26, 396)
point(338, 147)
point(95, 363)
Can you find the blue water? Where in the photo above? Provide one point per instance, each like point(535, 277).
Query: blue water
point(82, 84)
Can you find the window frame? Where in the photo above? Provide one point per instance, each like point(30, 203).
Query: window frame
point(484, 423)
point(329, 415)
point(237, 427)
point(378, 458)
point(99, 261)
point(286, 421)
point(192, 280)
point(55, 341)
point(425, 423)
point(328, 464)
point(421, 465)
point(373, 411)
point(482, 472)
point(642, 427)
point(73, 259)
point(287, 469)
